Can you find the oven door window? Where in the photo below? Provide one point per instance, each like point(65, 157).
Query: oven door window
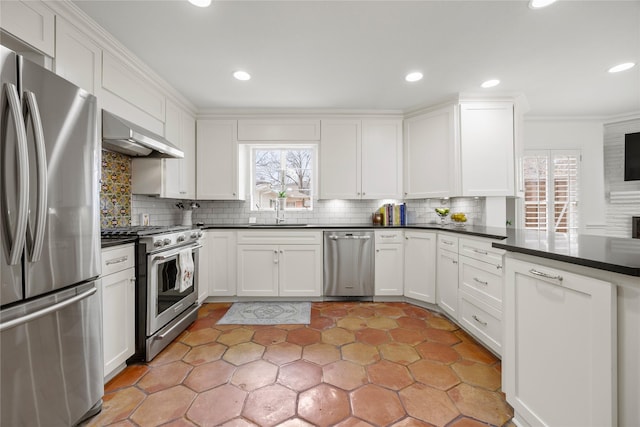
point(168, 285)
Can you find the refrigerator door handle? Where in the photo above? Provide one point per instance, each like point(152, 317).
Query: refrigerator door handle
point(36, 236)
point(52, 308)
point(17, 237)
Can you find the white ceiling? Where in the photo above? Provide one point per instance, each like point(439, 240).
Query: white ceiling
point(355, 54)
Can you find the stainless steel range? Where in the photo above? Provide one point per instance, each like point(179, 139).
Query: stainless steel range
point(164, 306)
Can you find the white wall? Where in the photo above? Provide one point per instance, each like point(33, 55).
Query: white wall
point(619, 210)
point(586, 136)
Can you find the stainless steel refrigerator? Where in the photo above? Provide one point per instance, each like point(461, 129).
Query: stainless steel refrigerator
point(50, 311)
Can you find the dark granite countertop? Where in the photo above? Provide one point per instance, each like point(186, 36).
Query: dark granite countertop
point(614, 254)
point(108, 242)
point(473, 230)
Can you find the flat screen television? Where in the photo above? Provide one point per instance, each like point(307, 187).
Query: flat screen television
point(632, 157)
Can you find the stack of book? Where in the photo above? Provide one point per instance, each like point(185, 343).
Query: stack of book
point(393, 214)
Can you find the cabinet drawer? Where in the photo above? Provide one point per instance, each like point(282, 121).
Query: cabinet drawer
point(276, 237)
point(117, 259)
point(389, 236)
point(482, 280)
point(481, 250)
point(482, 321)
point(448, 242)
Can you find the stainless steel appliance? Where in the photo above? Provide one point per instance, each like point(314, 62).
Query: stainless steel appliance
point(50, 313)
point(162, 310)
point(128, 138)
point(349, 264)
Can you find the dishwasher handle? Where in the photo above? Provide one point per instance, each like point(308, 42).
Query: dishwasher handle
point(334, 237)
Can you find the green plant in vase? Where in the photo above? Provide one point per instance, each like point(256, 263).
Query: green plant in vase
point(442, 213)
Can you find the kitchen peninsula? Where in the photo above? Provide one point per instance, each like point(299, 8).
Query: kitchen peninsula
point(571, 340)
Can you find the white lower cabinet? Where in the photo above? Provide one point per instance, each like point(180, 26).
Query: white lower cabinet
point(559, 365)
point(389, 263)
point(118, 308)
point(287, 264)
point(203, 271)
point(221, 263)
point(420, 265)
point(481, 320)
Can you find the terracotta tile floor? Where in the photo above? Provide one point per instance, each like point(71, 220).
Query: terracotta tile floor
point(356, 364)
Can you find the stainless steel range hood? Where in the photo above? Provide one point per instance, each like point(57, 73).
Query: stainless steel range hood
point(128, 138)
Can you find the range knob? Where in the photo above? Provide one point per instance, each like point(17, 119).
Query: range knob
point(194, 235)
point(167, 241)
point(157, 243)
point(199, 233)
point(181, 238)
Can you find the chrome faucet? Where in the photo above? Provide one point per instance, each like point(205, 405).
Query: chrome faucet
point(280, 211)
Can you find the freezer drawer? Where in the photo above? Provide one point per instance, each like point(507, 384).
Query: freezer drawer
point(53, 374)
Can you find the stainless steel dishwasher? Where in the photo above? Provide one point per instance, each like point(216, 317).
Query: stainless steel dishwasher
point(348, 264)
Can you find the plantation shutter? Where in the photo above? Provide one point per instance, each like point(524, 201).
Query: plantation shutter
point(551, 190)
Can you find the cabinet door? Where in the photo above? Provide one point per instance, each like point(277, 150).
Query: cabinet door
point(389, 269)
point(447, 281)
point(431, 152)
point(486, 149)
point(217, 171)
point(420, 266)
point(118, 318)
point(188, 164)
point(300, 270)
point(381, 159)
point(221, 263)
point(78, 58)
point(257, 270)
point(559, 365)
point(279, 130)
point(172, 175)
point(29, 21)
point(340, 159)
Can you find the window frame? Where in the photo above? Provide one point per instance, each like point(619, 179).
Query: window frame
point(289, 145)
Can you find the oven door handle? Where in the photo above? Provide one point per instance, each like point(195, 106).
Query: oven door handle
point(174, 253)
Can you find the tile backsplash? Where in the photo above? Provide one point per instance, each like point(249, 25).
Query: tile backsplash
point(115, 190)
point(164, 211)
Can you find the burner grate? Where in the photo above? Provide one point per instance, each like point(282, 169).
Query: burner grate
point(142, 230)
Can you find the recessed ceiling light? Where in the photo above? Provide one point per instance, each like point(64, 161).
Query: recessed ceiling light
point(413, 77)
point(490, 83)
point(538, 4)
point(621, 67)
point(242, 75)
point(200, 3)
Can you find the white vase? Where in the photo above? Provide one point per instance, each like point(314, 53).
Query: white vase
point(186, 217)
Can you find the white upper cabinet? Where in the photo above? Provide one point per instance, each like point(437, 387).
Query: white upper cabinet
point(463, 149)
point(431, 154)
point(78, 57)
point(31, 22)
point(361, 159)
point(340, 159)
point(279, 130)
point(130, 95)
point(170, 178)
point(487, 148)
point(381, 159)
point(220, 169)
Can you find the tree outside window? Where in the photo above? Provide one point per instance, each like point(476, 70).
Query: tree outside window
point(282, 170)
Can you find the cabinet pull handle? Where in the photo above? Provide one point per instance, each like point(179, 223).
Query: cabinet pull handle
point(480, 281)
point(116, 260)
point(377, 250)
point(499, 267)
point(477, 319)
point(454, 261)
point(545, 275)
point(478, 251)
point(387, 236)
point(447, 242)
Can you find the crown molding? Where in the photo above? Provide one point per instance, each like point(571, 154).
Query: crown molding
point(67, 10)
